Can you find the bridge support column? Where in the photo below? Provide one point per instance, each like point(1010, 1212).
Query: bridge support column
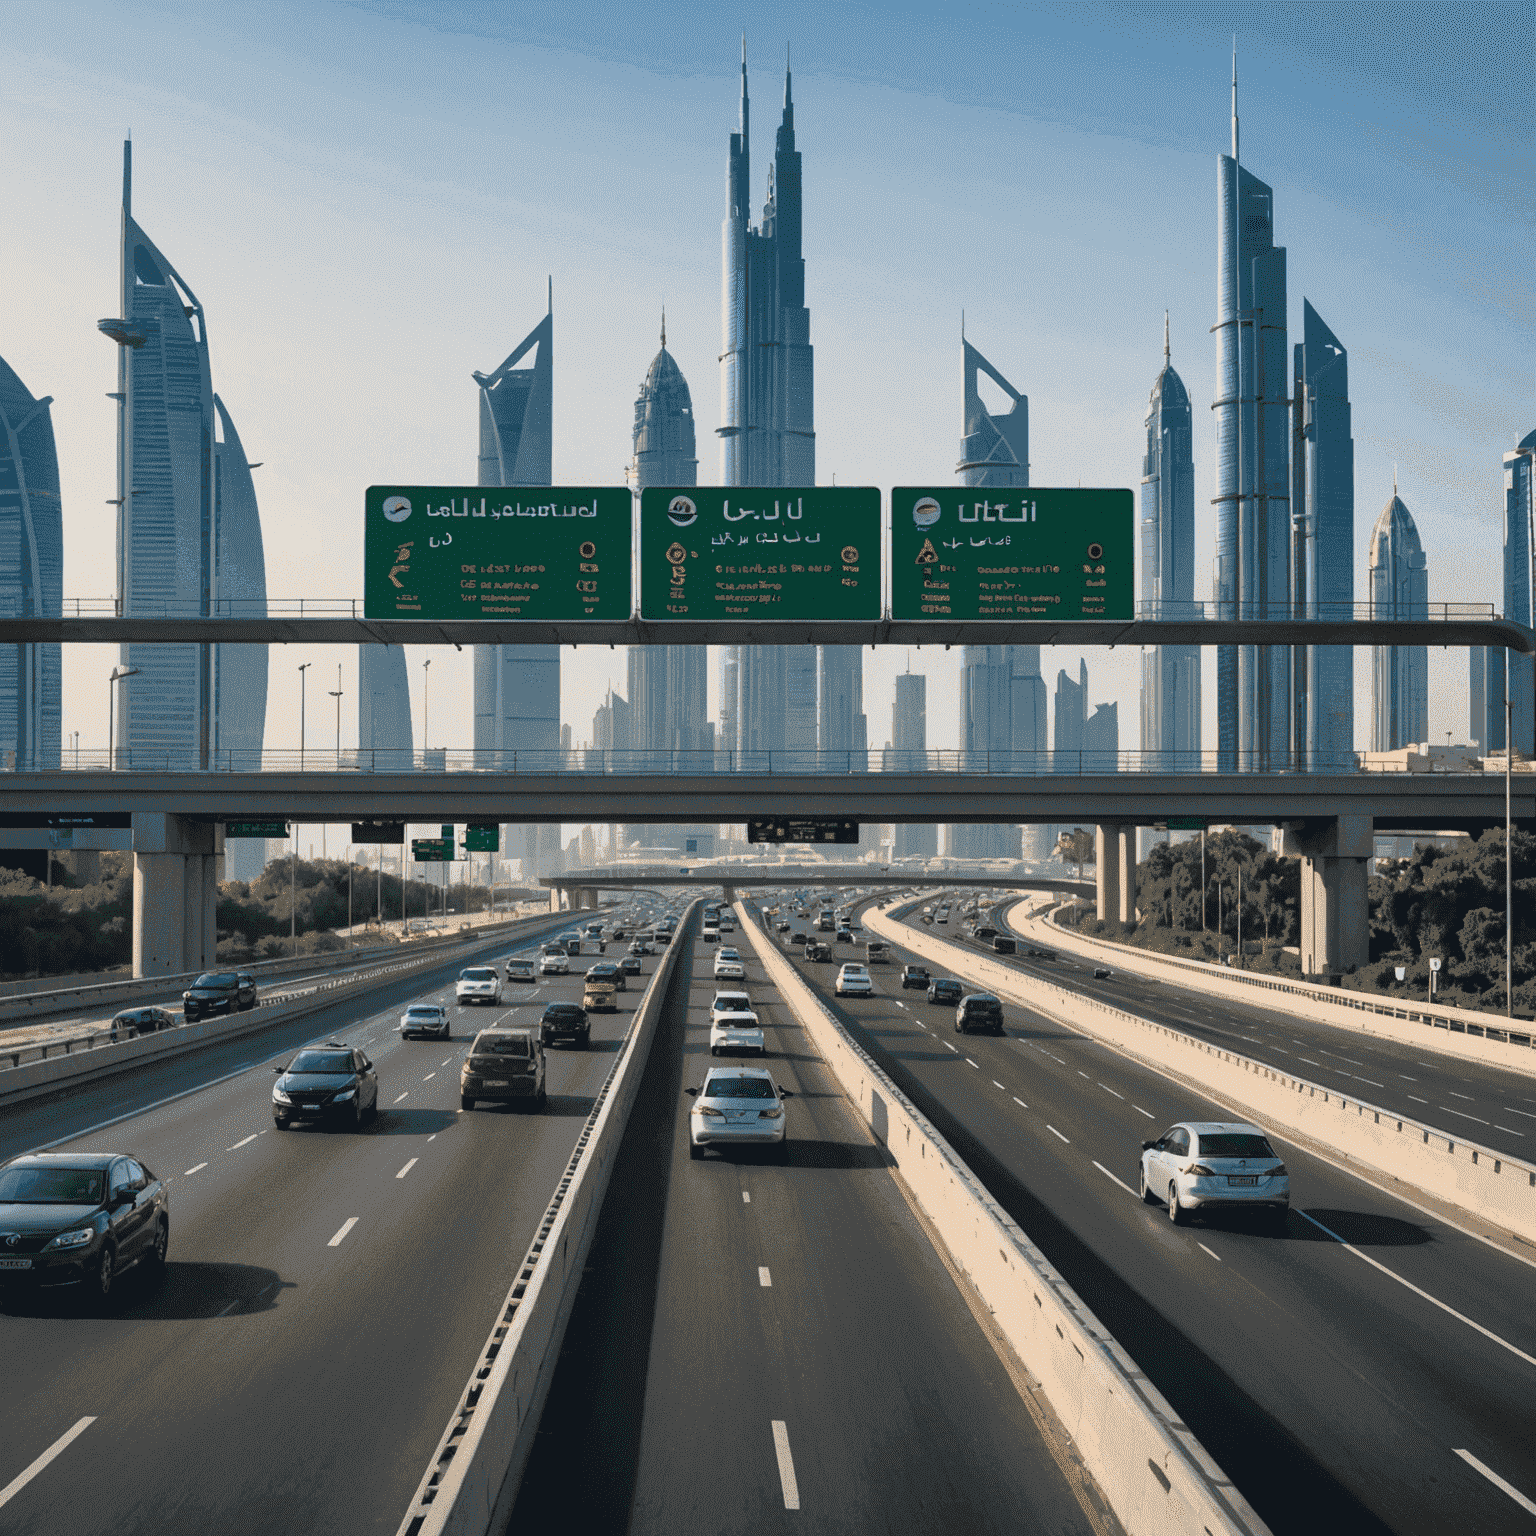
point(554, 898)
point(1335, 873)
point(729, 895)
point(176, 868)
point(1114, 849)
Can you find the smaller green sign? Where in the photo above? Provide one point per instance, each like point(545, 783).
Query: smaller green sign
point(432, 850)
point(482, 839)
point(255, 829)
point(1186, 823)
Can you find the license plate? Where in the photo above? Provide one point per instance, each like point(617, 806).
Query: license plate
point(1248, 1179)
point(15, 1263)
point(495, 1082)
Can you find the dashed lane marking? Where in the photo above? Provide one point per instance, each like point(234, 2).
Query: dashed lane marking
point(1466, 1096)
point(1017, 1100)
point(248, 1140)
point(1528, 1505)
point(1121, 1182)
point(1509, 1132)
point(949, 1047)
point(341, 1234)
point(1462, 1114)
point(763, 1277)
point(195, 1168)
point(746, 1197)
point(404, 1095)
point(997, 1084)
point(1140, 1111)
point(428, 1078)
point(971, 1063)
point(786, 1465)
point(65, 1440)
point(1212, 1253)
point(407, 1168)
point(1417, 1100)
point(1108, 1089)
point(1054, 1132)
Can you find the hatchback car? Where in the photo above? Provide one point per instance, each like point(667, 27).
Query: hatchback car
point(736, 1032)
point(140, 1021)
point(478, 984)
point(853, 981)
point(519, 970)
point(630, 965)
point(979, 1010)
point(218, 992)
point(504, 1065)
point(325, 1082)
point(567, 1021)
point(737, 1106)
point(423, 1019)
point(553, 962)
point(728, 966)
point(1197, 1164)
point(80, 1218)
point(914, 976)
point(944, 989)
point(729, 1002)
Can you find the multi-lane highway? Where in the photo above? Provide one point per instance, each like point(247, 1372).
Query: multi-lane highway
point(328, 1291)
point(1348, 1368)
point(759, 1348)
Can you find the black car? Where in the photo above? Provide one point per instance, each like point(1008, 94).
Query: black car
point(1004, 945)
point(218, 992)
point(565, 1021)
point(630, 965)
point(619, 934)
point(80, 1218)
point(980, 1010)
point(943, 990)
point(984, 931)
point(326, 1082)
point(816, 950)
point(140, 1021)
point(914, 976)
point(1102, 973)
point(782, 928)
point(606, 970)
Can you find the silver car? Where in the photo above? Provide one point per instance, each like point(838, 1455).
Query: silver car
point(736, 1032)
point(1197, 1164)
point(738, 1106)
point(425, 1019)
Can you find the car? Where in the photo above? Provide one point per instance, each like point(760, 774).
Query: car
point(944, 989)
point(1102, 973)
point(607, 970)
point(781, 927)
point(519, 970)
point(815, 950)
point(914, 976)
point(797, 938)
point(140, 1021)
point(877, 952)
point(853, 981)
point(620, 933)
point(334, 1081)
point(505, 1066)
point(553, 962)
point(729, 966)
point(630, 965)
point(218, 992)
point(738, 1031)
point(979, 1010)
point(1201, 1164)
point(567, 1021)
point(1003, 945)
point(984, 931)
point(478, 984)
point(1040, 954)
point(641, 944)
point(710, 934)
point(843, 936)
point(737, 1106)
point(80, 1219)
point(424, 1019)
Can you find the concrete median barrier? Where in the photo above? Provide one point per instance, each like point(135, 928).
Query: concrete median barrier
point(1155, 1475)
point(473, 1478)
point(1490, 1185)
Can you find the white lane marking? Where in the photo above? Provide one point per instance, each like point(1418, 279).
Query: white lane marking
point(1455, 1095)
point(997, 1084)
point(1017, 1100)
point(430, 1075)
point(196, 1167)
point(786, 1465)
point(1461, 1317)
point(898, 1003)
point(404, 1095)
point(445, 1063)
point(248, 1140)
point(1509, 1132)
point(1350, 1059)
point(1309, 1061)
point(948, 1046)
point(1108, 1089)
point(1212, 1253)
point(433, 1136)
point(1493, 1477)
point(1121, 1182)
point(1081, 1073)
point(763, 1277)
point(971, 1063)
point(1054, 1132)
point(225, 1311)
point(64, 1441)
point(1140, 1111)
point(1406, 1078)
point(1528, 1115)
point(746, 1197)
point(346, 1227)
point(407, 1168)
point(1417, 1100)
point(1462, 1114)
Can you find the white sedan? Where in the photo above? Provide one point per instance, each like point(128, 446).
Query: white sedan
point(425, 1019)
point(728, 966)
point(554, 962)
point(478, 984)
point(1202, 1163)
point(853, 981)
point(729, 1002)
point(736, 1032)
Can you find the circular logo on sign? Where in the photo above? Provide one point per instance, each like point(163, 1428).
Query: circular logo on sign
point(1095, 551)
point(676, 554)
point(682, 511)
point(589, 550)
point(396, 508)
point(850, 555)
point(925, 511)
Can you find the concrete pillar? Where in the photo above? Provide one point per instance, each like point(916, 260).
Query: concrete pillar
point(554, 898)
point(1336, 858)
point(729, 896)
point(1106, 871)
point(176, 867)
point(1125, 860)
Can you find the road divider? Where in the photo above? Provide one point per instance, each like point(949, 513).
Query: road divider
point(472, 1480)
point(1490, 1185)
point(1156, 1476)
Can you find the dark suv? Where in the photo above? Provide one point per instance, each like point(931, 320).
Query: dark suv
point(218, 992)
point(980, 1010)
point(140, 1021)
point(325, 1082)
point(944, 989)
point(565, 1021)
point(80, 1218)
point(915, 976)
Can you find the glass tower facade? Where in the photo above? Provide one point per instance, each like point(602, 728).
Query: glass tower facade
point(384, 738)
point(239, 671)
point(1399, 581)
point(31, 575)
point(909, 754)
point(1519, 587)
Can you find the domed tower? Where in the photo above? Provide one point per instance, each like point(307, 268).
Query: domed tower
point(1399, 582)
point(664, 433)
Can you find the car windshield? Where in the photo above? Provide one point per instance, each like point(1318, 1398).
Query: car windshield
point(738, 1088)
point(737, 1021)
point(321, 1061)
point(215, 979)
point(50, 1186)
point(1234, 1144)
point(505, 1045)
point(561, 1010)
point(478, 974)
point(424, 1011)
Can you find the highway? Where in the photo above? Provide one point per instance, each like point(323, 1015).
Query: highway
point(328, 1292)
point(1341, 1367)
point(759, 1348)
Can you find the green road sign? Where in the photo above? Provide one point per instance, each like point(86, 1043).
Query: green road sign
point(482, 839)
point(735, 552)
point(815, 829)
point(255, 829)
point(432, 850)
point(1186, 824)
point(464, 552)
point(984, 552)
point(378, 832)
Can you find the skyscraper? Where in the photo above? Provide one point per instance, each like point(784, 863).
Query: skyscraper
point(1170, 674)
point(31, 574)
point(767, 399)
point(1253, 532)
point(1399, 590)
point(993, 450)
point(1322, 544)
point(188, 530)
point(909, 754)
point(384, 738)
point(1520, 588)
point(1101, 739)
point(1003, 729)
point(1071, 715)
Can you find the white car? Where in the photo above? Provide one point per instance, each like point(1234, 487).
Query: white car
point(519, 970)
point(853, 981)
point(1200, 1163)
point(737, 1106)
point(554, 962)
point(425, 1019)
point(728, 966)
point(729, 1002)
point(736, 1032)
point(478, 984)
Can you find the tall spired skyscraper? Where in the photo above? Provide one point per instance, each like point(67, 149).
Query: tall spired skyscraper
point(188, 530)
point(1322, 544)
point(909, 754)
point(1399, 581)
point(767, 400)
point(31, 574)
point(994, 449)
point(1170, 674)
point(1520, 584)
point(1253, 523)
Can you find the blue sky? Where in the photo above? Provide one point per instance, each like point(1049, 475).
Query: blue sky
point(368, 199)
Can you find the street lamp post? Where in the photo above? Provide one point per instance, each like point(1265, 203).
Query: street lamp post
point(336, 694)
point(426, 704)
point(303, 702)
point(116, 676)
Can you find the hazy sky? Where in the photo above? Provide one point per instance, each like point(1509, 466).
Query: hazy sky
point(368, 199)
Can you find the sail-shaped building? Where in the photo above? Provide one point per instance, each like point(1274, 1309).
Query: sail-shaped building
point(1399, 580)
point(239, 671)
point(31, 575)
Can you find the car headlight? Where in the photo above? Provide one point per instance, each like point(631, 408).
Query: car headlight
point(279, 1097)
point(350, 1093)
point(773, 1112)
point(76, 1239)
